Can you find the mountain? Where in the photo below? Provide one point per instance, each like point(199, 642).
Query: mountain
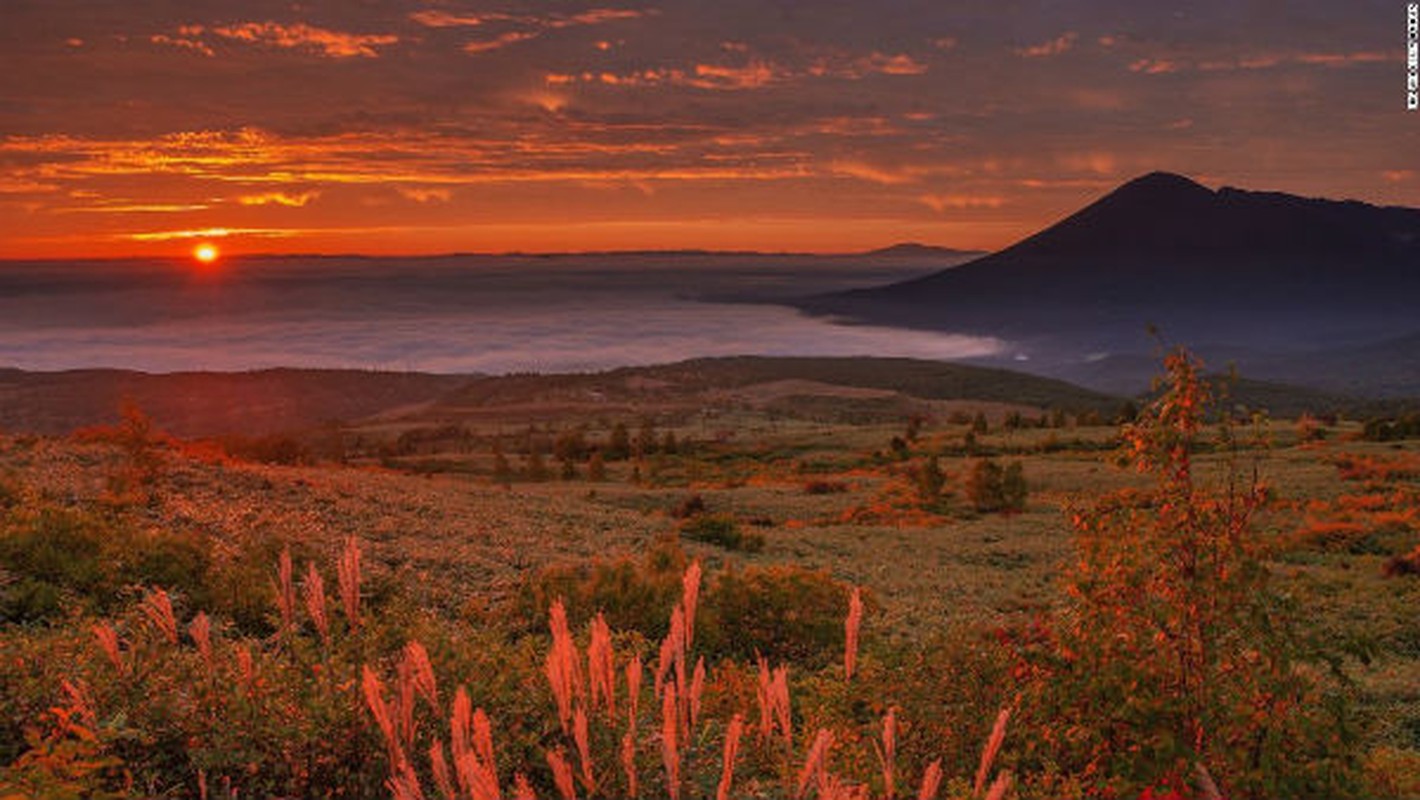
point(917, 250)
point(1244, 276)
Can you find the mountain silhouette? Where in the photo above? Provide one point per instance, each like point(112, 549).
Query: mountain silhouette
point(1240, 274)
point(919, 250)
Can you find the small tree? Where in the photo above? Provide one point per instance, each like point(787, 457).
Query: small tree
point(930, 481)
point(1014, 489)
point(646, 438)
point(1174, 656)
point(985, 486)
point(536, 467)
point(596, 467)
point(619, 445)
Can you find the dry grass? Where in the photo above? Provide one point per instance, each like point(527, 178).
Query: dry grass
point(458, 544)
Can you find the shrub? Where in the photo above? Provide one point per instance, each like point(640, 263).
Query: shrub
point(634, 595)
point(689, 506)
point(1014, 489)
point(1408, 564)
point(825, 487)
point(985, 486)
point(722, 530)
point(271, 449)
point(784, 613)
point(56, 554)
point(930, 480)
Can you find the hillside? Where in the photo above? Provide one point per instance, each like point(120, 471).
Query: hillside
point(203, 403)
point(847, 389)
point(709, 382)
point(283, 400)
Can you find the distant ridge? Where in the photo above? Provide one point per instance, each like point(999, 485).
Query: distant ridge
point(917, 250)
point(193, 404)
point(1227, 270)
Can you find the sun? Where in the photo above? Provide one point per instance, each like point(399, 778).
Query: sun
point(205, 253)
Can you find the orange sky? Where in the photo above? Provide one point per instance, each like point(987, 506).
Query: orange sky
point(404, 126)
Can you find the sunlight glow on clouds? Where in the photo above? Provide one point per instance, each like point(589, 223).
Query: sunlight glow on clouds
point(962, 124)
point(329, 43)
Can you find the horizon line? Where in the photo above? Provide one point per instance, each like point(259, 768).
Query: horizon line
point(910, 250)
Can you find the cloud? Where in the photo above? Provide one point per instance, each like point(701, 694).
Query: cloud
point(426, 195)
point(871, 173)
point(524, 27)
point(1099, 163)
point(208, 233)
point(186, 37)
point(135, 208)
point(297, 36)
point(1261, 61)
point(753, 73)
point(250, 158)
point(333, 44)
point(1060, 44)
point(900, 64)
point(1154, 66)
point(278, 199)
point(13, 185)
point(499, 42)
point(1345, 59)
point(434, 18)
point(940, 203)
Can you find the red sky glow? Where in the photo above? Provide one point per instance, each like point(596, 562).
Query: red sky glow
point(430, 126)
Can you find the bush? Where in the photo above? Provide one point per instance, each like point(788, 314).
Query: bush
point(930, 480)
point(785, 613)
point(271, 449)
point(54, 555)
point(1408, 564)
point(689, 506)
point(984, 486)
point(1014, 489)
point(722, 530)
point(634, 596)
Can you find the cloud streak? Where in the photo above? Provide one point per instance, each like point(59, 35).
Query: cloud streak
point(297, 36)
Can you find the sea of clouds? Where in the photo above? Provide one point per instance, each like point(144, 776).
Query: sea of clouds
point(453, 314)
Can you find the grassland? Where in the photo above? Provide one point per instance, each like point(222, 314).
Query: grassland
point(824, 475)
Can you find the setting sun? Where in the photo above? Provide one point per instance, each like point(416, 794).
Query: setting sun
point(205, 253)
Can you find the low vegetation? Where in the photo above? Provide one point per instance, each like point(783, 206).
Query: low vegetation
point(970, 608)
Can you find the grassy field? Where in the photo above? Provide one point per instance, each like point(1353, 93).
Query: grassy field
point(811, 479)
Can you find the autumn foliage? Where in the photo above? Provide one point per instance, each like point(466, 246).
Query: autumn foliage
point(1174, 657)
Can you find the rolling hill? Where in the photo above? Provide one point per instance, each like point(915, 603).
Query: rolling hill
point(205, 403)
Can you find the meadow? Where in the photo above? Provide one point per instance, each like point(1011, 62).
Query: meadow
point(763, 588)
